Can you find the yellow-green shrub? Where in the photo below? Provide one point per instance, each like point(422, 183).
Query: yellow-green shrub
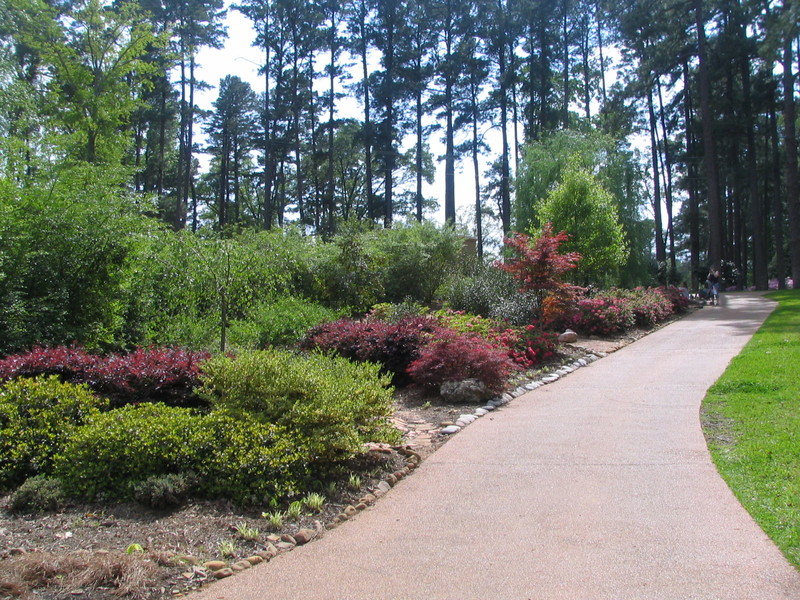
point(330, 404)
point(37, 418)
point(232, 456)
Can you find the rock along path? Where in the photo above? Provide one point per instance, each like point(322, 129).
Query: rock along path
point(598, 486)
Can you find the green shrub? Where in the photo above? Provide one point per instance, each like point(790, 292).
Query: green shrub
point(67, 243)
point(232, 456)
point(114, 449)
point(469, 324)
point(38, 494)
point(253, 461)
point(492, 293)
point(162, 491)
point(348, 275)
point(394, 313)
point(417, 258)
point(37, 418)
point(330, 403)
point(281, 321)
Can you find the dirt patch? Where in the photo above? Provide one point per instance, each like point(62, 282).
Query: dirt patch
point(102, 551)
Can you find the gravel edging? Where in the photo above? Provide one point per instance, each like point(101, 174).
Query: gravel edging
point(497, 402)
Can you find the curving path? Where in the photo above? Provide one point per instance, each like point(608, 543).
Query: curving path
point(598, 486)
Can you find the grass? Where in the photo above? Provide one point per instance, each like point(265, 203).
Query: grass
point(751, 418)
point(244, 531)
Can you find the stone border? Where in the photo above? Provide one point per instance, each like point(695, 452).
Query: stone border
point(467, 418)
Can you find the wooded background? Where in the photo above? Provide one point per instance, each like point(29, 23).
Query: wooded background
point(111, 87)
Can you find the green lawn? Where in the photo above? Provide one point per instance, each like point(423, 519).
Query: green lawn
point(751, 418)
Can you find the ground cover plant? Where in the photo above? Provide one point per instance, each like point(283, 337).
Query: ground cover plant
point(751, 417)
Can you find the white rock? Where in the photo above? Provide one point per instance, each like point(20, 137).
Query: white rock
point(568, 337)
point(450, 429)
point(479, 412)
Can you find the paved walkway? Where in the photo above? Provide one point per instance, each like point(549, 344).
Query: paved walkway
point(598, 486)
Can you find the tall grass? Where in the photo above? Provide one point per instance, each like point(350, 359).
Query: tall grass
point(751, 418)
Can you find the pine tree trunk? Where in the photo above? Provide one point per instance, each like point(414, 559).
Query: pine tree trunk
point(661, 255)
point(715, 213)
point(778, 213)
point(691, 168)
point(790, 149)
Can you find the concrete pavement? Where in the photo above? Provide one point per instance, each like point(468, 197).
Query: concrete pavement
point(598, 486)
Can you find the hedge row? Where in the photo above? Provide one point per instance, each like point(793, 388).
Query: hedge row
point(276, 420)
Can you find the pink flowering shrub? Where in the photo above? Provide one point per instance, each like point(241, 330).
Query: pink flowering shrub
point(603, 315)
point(145, 374)
point(649, 305)
point(526, 346)
point(676, 298)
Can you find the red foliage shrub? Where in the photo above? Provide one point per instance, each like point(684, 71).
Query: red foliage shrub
point(69, 363)
point(454, 357)
point(393, 345)
point(145, 374)
point(537, 264)
point(560, 305)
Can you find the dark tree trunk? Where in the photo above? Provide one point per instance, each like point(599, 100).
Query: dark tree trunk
point(715, 214)
point(757, 222)
point(778, 214)
point(661, 255)
point(668, 194)
point(691, 168)
point(790, 149)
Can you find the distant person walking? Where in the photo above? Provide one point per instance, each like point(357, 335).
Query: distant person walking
point(712, 281)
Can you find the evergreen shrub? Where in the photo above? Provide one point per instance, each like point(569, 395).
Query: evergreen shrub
point(224, 455)
point(37, 418)
point(163, 491)
point(329, 403)
point(37, 494)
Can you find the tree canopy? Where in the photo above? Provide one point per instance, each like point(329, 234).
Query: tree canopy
point(689, 126)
